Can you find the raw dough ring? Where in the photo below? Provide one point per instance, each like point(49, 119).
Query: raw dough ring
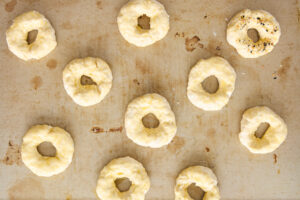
point(43, 165)
point(16, 36)
point(150, 137)
point(128, 22)
point(222, 70)
point(265, 24)
point(95, 68)
point(274, 135)
point(125, 167)
point(203, 177)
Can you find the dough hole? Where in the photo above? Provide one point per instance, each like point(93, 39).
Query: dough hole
point(144, 22)
point(31, 36)
point(195, 192)
point(261, 130)
point(86, 80)
point(150, 121)
point(123, 184)
point(253, 34)
point(210, 84)
point(46, 149)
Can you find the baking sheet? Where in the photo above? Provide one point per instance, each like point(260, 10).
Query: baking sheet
point(32, 93)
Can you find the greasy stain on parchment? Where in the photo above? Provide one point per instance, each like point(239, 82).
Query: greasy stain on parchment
point(27, 188)
point(13, 155)
point(214, 47)
point(176, 144)
point(51, 64)
point(36, 82)
point(99, 4)
point(281, 73)
point(10, 6)
point(67, 25)
point(142, 66)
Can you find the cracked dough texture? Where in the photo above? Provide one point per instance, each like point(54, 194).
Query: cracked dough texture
point(95, 68)
point(274, 135)
point(222, 70)
point(265, 24)
point(203, 177)
point(16, 36)
point(128, 22)
point(150, 137)
point(121, 168)
point(43, 165)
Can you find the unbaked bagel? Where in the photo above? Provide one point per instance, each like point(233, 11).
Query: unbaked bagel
point(265, 24)
point(128, 22)
point(273, 137)
point(125, 167)
point(97, 70)
point(44, 165)
point(222, 70)
point(203, 177)
point(150, 137)
point(16, 36)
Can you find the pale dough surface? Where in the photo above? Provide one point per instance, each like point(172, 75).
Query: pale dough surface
point(16, 36)
point(125, 167)
point(266, 25)
point(222, 70)
point(203, 177)
point(274, 135)
point(43, 165)
point(95, 68)
point(150, 137)
point(128, 22)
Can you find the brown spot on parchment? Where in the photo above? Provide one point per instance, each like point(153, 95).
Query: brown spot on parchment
point(176, 144)
point(101, 130)
point(224, 124)
point(68, 197)
point(275, 158)
point(51, 64)
point(177, 34)
point(99, 4)
point(192, 43)
point(119, 129)
point(67, 25)
point(136, 81)
point(23, 189)
point(36, 82)
point(278, 171)
point(207, 149)
point(214, 46)
point(285, 66)
point(13, 155)
point(211, 132)
point(10, 6)
point(142, 66)
point(97, 130)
